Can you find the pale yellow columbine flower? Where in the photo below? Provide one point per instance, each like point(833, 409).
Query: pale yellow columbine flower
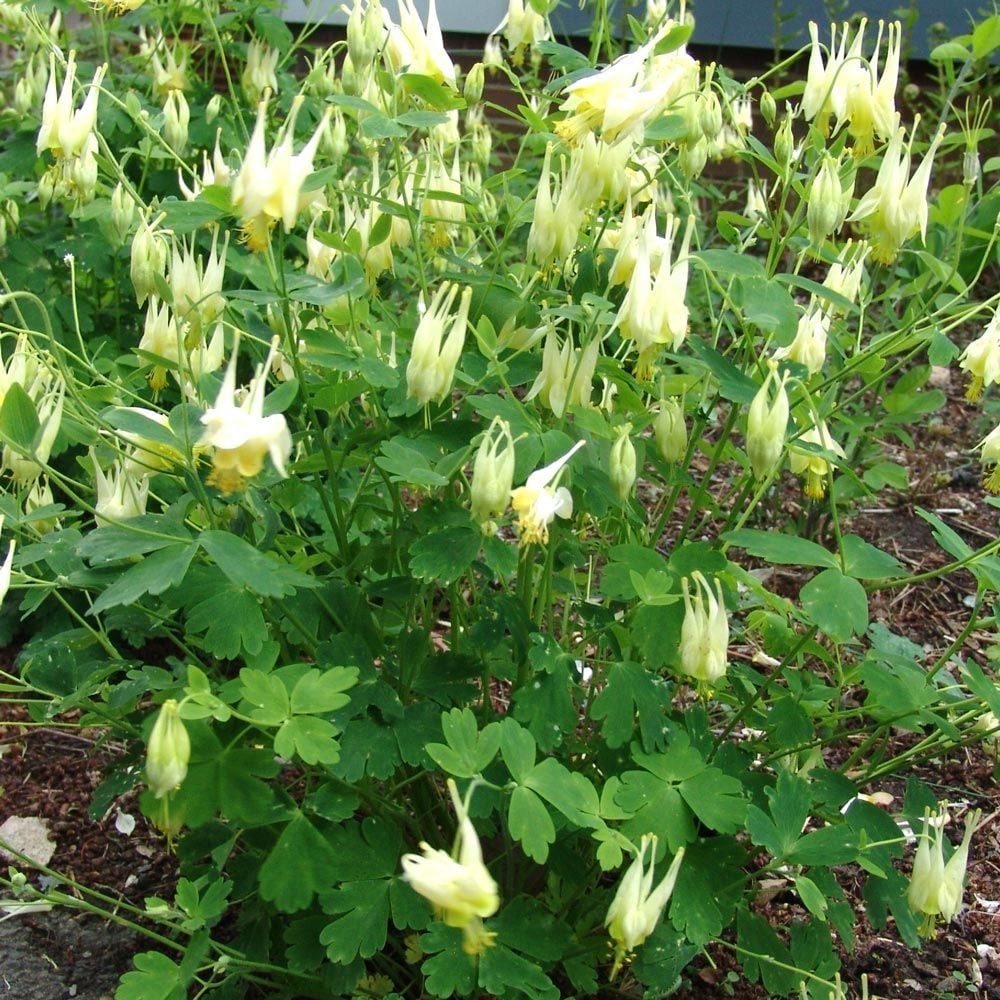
point(196, 285)
point(705, 632)
point(653, 312)
point(418, 49)
point(846, 274)
point(240, 434)
point(523, 27)
point(990, 453)
point(168, 752)
point(895, 209)
point(815, 467)
point(936, 888)
point(120, 493)
point(259, 78)
point(65, 130)
point(866, 100)
point(567, 374)
point(6, 568)
point(981, 359)
point(809, 346)
point(268, 187)
point(613, 100)
point(821, 77)
point(437, 345)
point(537, 502)
point(117, 6)
point(458, 885)
point(637, 907)
point(767, 423)
point(492, 474)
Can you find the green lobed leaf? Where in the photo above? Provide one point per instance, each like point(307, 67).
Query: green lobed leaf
point(362, 930)
point(312, 740)
point(716, 799)
point(468, 751)
point(786, 550)
point(709, 886)
point(837, 604)
point(444, 556)
point(569, 791)
point(769, 306)
point(143, 534)
point(319, 691)
point(298, 866)
point(231, 620)
point(631, 694)
point(789, 802)
point(530, 824)
point(247, 567)
point(503, 973)
point(155, 574)
point(518, 748)
point(156, 978)
point(267, 696)
point(447, 970)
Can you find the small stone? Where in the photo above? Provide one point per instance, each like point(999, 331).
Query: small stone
point(28, 835)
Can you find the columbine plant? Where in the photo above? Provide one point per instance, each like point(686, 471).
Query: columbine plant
point(453, 451)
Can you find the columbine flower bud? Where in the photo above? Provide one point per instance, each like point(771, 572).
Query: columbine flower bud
point(936, 888)
point(637, 907)
point(475, 81)
point(437, 345)
point(971, 169)
point(670, 431)
point(981, 359)
point(709, 108)
point(622, 464)
point(168, 752)
point(537, 503)
point(766, 425)
point(213, 108)
point(705, 631)
point(176, 118)
point(784, 141)
point(122, 213)
point(493, 473)
point(825, 200)
point(692, 157)
point(149, 259)
point(458, 885)
point(768, 107)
